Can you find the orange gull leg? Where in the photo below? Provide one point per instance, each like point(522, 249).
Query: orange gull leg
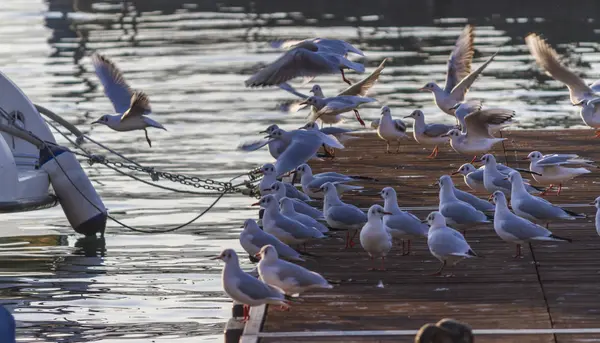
point(344, 78)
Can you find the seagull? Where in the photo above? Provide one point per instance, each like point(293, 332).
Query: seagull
point(446, 244)
point(535, 209)
point(390, 130)
point(473, 177)
point(360, 88)
point(476, 138)
point(286, 207)
point(290, 278)
point(7, 326)
point(276, 146)
point(429, 134)
point(515, 229)
point(302, 146)
point(553, 168)
point(252, 238)
point(333, 106)
point(401, 224)
point(269, 177)
point(278, 191)
point(459, 77)
point(312, 185)
point(596, 204)
point(494, 180)
point(130, 106)
point(374, 237)
point(495, 119)
point(244, 288)
point(457, 213)
point(477, 203)
point(341, 134)
point(308, 58)
point(340, 215)
point(581, 94)
point(286, 229)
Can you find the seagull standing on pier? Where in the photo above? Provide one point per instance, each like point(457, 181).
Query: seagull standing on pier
point(430, 134)
point(243, 287)
point(131, 106)
point(552, 169)
point(374, 237)
point(390, 130)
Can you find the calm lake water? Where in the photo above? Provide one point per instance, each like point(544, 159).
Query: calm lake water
point(192, 60)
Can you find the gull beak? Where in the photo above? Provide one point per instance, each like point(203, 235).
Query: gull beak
point(455, 106)
point(408, 117)
point(579, 103)
point(256, 203)
point(264, 131)
point(96, 122)
point(422, 89)
point(320, 190)
point(424, 221)
point(454, 173)
point(593, 203)
point(257, 255)
point(506, 178)
point(216, 258)
point(525, 159)
point(445, 135)
point(268, 136)
point(303, 102)
point(387, 213)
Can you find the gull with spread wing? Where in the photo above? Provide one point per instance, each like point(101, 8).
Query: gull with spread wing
point(588, 97)
point(308, 58)
point(360, 88)
point(459, 77)
point(130, 106)
point(333, 106)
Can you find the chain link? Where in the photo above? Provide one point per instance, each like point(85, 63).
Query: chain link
point(194, 181)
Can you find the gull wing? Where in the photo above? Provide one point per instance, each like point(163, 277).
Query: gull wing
point(459, 63)
point(548, 59)
point(463, 86)
point(115, 87)
point(362, 87)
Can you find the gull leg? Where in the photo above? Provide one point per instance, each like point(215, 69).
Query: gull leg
point(347, 240)
point(352, 239)
point(387, 147)
point(402, 242)
point(408, 247)
point(406, 251)
point(359, 118)
point(559, 189)
point(147, 138)
point(547, 190)
point(382, 263)
point(246, 313)
point(372, 263)
point(439, 272)
point(398, 149)
point(344, 78)
point(597, 135)
point(518, 251)
point(433, 153)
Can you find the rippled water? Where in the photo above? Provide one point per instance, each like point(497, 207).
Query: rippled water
point(192, 60)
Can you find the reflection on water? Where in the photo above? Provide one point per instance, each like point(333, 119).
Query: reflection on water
point(192, 57)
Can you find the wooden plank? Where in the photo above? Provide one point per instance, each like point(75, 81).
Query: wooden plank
point(554, 290)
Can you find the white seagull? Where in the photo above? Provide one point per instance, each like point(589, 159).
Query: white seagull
point(244, 288)
point(535, 209)
point(390, 130)
point(269, 177)
point(334, 106)
point(515, 229)
point(495, 119)
point(130, 106)
point(588, 97)
point(459, 77)
point(446, 244)
point(495, 180)
point(554, 168)
point(457, 212)
point(402, 225)
point(290, 278)
point(312, 185)
point(374, 237)
point(252, 238)
point(340, 215)
point(308, 58)
point(429, 134)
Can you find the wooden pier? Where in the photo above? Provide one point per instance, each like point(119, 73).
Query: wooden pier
point(552, 294)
